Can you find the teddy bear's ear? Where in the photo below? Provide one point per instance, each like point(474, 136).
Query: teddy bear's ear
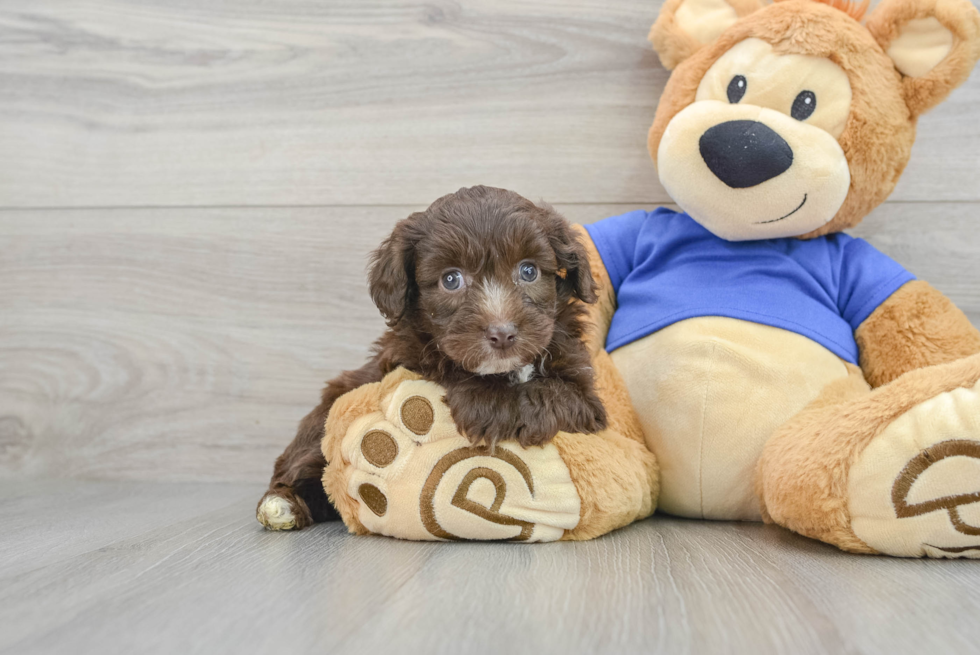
point(684, 26)
point(934, 44)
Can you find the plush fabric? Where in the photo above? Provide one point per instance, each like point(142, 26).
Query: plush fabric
point(916, 327)
point(710, 391)
point(665, 268)
point(884, 458)
point(675, 38)
point(878, 136)
point(923, 92)
point(741, 164)
point(931, 456)
point(804, 470)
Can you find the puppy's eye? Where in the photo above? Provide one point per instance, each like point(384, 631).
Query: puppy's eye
point(803, 105)
point(452, 280)
point(736, 89)
point(528, 272)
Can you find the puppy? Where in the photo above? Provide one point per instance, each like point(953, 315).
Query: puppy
point(478, 293)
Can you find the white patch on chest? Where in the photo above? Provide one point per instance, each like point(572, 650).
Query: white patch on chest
point(522, 375)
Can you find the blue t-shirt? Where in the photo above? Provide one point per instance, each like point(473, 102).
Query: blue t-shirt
point(665, 268)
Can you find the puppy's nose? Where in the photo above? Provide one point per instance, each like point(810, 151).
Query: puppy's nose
point(744, 154)
point(502, 335)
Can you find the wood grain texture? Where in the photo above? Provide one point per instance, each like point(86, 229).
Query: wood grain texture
point(215, 582)
point(52, 521)
point(186, 344)
point(301, 102)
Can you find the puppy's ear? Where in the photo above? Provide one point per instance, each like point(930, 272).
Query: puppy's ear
point(391, 276)
point(574, 272)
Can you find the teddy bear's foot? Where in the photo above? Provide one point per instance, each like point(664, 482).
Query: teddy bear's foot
point(415, 477)
point(915, 489)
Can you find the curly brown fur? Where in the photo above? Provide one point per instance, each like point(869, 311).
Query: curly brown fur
point(297, 473)
point(559, 398)
point(480, 292)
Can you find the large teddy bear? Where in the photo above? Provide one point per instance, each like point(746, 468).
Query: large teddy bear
point(776, 368)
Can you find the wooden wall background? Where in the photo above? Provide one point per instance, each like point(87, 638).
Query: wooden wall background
point(188, 190)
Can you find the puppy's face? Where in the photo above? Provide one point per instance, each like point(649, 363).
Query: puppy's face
point(487, 290)
point(482, 274)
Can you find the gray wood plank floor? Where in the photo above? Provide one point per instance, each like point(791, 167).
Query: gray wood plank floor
point(184, 568)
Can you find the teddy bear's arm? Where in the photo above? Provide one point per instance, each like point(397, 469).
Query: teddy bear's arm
point(601, 312)
point(916, 327)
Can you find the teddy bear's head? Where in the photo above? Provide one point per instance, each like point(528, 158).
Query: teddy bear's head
point(795, 119)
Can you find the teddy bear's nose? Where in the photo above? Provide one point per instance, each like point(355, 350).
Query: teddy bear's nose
point(743, 154)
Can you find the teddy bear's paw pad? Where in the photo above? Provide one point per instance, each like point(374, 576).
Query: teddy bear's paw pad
point(373, 498)
point(417, 408)
point(379, 448)
point(915, 490)
point(275, 513)
point(415, 477)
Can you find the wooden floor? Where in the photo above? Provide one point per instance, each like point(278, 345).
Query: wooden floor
point(188, 193)
point(123, 567)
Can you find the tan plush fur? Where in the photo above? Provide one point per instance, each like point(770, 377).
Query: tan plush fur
point(615, 474)
point(672, 44)
point(797, 487)
point(609, 474)
point(616, 479)
point(601, 311)
point(804, 468)
point(609, 382)
point(916, 327)
point(924, 93)
point(344, 412)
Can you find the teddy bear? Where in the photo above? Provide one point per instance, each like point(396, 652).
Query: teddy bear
point(756, 362)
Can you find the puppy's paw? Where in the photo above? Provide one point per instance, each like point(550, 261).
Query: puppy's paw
point(484, 421)
point(278, 512)
point(589, 417)
point(537, 427)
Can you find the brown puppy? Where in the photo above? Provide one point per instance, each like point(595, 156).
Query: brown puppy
point(478, 292)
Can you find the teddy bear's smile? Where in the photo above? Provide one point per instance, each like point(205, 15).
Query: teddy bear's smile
point(787, 215)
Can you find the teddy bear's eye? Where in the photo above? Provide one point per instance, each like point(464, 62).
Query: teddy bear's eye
point(803, 105)
point(736, 89)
